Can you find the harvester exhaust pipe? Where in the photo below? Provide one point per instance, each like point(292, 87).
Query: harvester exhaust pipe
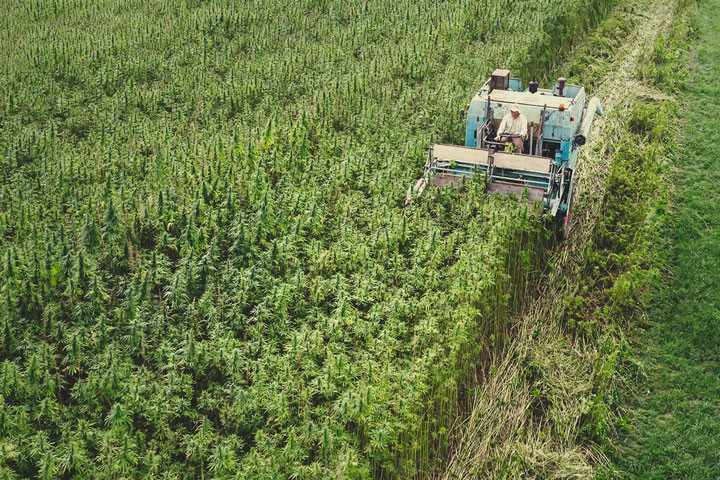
point(561, 86)
point(533, 86)
point(593, 108)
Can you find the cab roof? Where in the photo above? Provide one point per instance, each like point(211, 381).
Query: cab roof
point(539, 99)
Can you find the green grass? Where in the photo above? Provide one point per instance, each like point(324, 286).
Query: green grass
point(673, 423)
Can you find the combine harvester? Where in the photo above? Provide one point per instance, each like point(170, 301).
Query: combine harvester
point(559, 121)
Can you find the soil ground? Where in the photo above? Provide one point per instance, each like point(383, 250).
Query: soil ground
point(673, 422)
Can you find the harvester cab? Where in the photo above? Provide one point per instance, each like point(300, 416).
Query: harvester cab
point(559, 121)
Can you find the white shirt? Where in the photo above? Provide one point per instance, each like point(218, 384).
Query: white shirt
point(513, 126)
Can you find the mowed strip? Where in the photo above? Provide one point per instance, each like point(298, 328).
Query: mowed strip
point(674, 424)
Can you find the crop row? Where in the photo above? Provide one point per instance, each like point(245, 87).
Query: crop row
point(207, 267)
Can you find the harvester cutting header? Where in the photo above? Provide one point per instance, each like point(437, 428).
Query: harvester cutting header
point(535, 153)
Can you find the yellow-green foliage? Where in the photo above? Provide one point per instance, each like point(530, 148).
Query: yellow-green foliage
point(207, 265)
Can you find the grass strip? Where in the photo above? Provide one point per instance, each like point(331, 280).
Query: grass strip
point(672, 424)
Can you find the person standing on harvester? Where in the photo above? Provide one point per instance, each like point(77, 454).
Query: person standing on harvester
point(513, 128)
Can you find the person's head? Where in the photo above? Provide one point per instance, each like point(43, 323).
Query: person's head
point(515, 110)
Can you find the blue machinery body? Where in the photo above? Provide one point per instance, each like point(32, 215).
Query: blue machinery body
point(559, 121)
